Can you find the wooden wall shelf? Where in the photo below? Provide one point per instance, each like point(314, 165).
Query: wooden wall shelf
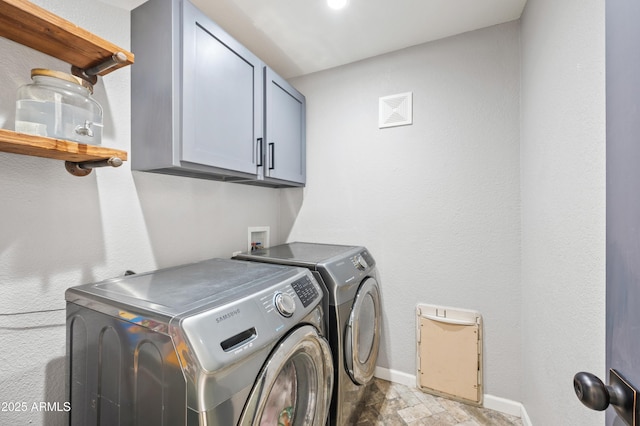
point(79, 158)
point(33, 26)
point(90, 55)
point(40, 146)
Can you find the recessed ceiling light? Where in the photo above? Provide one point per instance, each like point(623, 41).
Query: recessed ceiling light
point(337, 4)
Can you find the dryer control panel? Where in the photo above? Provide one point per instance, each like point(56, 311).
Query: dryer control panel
point(350, 268)
point(344, 275)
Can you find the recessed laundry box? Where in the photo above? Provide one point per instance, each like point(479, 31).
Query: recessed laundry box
point(449, 352)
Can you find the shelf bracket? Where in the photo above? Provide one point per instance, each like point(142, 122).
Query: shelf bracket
point(85, 167)
point(91, 74)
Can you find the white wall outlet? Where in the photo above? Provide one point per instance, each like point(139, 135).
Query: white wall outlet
point(258, 237)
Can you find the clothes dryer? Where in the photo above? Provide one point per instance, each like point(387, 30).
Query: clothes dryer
point(351, 282)
point(214, 343)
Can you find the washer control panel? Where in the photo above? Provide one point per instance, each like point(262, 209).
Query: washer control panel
point(305, 290)
point(283, 299)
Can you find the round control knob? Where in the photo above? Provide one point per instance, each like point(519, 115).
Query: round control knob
point(285, 304)
point(361, 263)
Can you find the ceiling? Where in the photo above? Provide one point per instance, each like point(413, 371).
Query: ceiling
point(296, 37)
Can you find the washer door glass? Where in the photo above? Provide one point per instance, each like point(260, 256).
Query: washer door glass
point(362, 335)
point(294, 387)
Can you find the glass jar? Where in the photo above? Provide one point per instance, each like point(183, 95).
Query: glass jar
point(59, 105)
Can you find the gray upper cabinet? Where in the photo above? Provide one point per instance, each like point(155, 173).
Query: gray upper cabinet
point(221, 99)
point(198, 101)
point(285, 130)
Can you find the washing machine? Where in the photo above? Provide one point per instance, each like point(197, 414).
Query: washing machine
point(214, 343)
point(351, 284)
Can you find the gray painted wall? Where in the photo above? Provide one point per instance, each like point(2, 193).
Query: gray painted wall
point(437, 202)
point(563, 206)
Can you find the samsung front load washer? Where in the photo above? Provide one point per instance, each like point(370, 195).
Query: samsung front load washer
point(214, 343)
point(351, 282)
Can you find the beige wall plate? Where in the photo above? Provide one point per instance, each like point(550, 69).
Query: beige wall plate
point(449, 350)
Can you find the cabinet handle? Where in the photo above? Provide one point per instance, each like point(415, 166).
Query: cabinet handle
point(259, 162)
point(272, 155)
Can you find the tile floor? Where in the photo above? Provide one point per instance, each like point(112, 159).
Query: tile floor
point(391, 404)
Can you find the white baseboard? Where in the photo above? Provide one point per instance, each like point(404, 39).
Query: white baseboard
point(503, 405)
point(507, 406)
point(395, 376)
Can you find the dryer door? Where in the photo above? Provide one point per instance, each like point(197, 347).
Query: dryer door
point(362, 335)
point(294, 387)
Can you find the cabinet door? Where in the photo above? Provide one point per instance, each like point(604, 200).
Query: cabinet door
point(285, 130)
point(222, 97)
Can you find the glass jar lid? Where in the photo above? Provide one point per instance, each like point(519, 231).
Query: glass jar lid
point(62, 76)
